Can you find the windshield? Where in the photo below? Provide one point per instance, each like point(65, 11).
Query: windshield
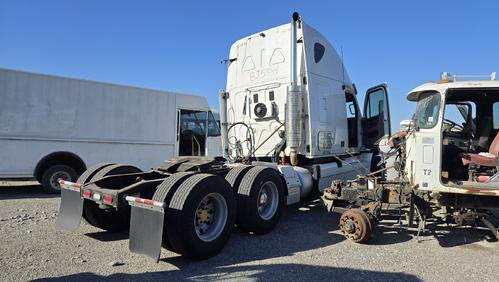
point(426, 115)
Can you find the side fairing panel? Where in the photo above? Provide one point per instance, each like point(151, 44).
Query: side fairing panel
point(326, 76)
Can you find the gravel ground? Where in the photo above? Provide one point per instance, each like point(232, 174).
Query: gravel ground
point(305, 245)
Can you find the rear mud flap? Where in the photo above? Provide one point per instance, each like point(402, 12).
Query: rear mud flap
point(70, 210)
point(146, 229)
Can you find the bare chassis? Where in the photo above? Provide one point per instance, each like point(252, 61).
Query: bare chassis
point(372, 198)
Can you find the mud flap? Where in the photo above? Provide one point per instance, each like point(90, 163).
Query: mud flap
point(146, 227)
point(70, 210)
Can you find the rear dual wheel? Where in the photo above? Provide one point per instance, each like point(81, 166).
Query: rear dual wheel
point(164, 193)
point(200, 214)
point(107, 219)
point(260, 198)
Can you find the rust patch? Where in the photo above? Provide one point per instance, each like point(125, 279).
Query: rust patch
point(476, 191)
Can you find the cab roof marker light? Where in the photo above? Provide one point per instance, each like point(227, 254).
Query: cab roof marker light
point(447, 77)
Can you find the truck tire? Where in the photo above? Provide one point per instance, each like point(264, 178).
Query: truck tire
point(51, 177)
point(201, 216)
point(164, 193)
point(235, 176)
point(260, 200)
point(89, 173)
point(110, 220)
point(87, 176)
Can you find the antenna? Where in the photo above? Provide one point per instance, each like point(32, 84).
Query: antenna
point(343, 67)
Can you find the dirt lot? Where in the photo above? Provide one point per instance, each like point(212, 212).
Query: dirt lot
point(305, 245)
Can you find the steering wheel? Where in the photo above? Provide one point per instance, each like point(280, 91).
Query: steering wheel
point(238, 141)
point(453, 125)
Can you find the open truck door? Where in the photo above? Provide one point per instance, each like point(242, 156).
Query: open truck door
point(376, 122)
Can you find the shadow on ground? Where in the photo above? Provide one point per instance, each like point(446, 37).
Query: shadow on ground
point(30, 190)
point(105, 236)
point(307, 227)
point(271, 272)
point(302, 228)
point(390, 232)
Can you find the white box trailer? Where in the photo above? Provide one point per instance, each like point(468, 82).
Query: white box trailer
point(54, 127)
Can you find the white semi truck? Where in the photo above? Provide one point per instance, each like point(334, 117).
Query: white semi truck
point(53, 127)
point(290, 125)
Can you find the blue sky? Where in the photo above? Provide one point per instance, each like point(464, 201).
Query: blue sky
point(178, 45)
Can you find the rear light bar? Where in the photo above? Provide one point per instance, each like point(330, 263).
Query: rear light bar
point(85, 193)
point(70, 185)
point(145, 201)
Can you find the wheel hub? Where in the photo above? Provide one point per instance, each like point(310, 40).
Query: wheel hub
point(349, 227)
point(263, 198)
point(268, 200)
point(56, 177)
point(210, 217)
point(204, 212)
point(355, 225)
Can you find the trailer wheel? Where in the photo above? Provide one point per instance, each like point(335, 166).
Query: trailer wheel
point(235, 176)
point(355, 225)
point(201, 216)
point(260, 200)
point(164, 193)
point(110, 220)
point(51, 177)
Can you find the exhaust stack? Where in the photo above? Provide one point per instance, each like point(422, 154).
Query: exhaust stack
point(293, 100)
point(223, 122)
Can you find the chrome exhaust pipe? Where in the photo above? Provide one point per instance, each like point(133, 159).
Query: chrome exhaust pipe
point(293, 100)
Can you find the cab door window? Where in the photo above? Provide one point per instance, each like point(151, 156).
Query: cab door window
point(192, 132)
point(377, 115)
point(375, 104)
point(427, 109)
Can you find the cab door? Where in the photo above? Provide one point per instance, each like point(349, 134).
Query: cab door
point(214, 140)
point(191, 132)
point(376, 122)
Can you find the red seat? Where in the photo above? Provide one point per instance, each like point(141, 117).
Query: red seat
point(484, 160)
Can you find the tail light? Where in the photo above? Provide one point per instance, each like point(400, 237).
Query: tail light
point(107, 199)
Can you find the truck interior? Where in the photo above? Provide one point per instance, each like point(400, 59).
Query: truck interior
point(470, 131)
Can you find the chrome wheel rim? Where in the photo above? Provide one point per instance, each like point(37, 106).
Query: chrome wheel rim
point(54, 179)
point(211, 217)
point(267, 200)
